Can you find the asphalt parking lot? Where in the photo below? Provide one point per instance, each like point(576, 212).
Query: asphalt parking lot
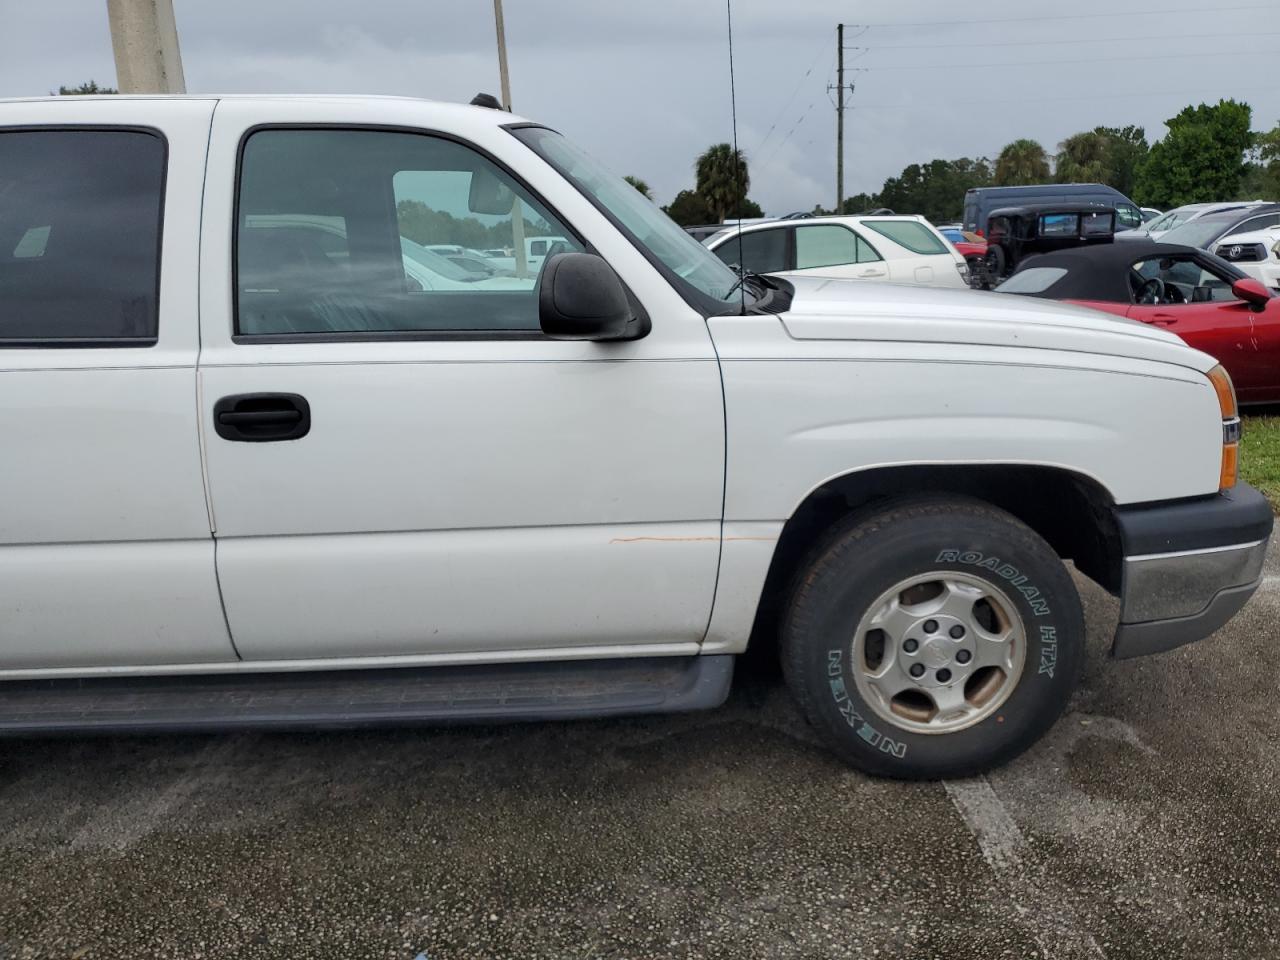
point(1144, 826)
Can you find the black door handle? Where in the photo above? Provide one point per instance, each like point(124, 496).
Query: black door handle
point(262, 417)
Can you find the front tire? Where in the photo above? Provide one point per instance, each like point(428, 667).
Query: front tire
point(939, 638)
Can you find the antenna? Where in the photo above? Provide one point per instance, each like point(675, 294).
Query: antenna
point(737, 158)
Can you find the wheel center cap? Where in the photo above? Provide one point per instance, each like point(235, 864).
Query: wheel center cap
point(935, 652)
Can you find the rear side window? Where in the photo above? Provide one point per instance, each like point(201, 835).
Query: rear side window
point(827, 245)
point(763, 251)
point(80, 218)
point(916, 237)
point(1032, 280)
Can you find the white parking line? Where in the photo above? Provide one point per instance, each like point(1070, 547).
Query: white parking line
point(1056, 932)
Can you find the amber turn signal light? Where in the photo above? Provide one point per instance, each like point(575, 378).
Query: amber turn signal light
point(1230, 470)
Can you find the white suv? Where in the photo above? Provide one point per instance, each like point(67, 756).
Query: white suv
point(893, 248)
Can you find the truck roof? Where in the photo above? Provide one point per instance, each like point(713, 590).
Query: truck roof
point(495, 116)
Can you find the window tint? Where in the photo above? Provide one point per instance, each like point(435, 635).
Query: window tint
point(80, 235)
point(1128, 217)
point(1255, 223)
point(1032, 280)
point(1059, 225)
point(916, 237)
point(825, 245)
point(763, 251)
point(336, 228)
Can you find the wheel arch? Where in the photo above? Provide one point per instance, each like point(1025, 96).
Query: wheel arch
point(1073, 511)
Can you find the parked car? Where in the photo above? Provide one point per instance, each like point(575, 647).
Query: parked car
point(249, 489)
point(1150, 213)
point(1257, 254)
point(1158, 227)
point(1014, 233)
point(969, 245)
point(896, 249)
point(1208, 230)
point(1206, 301)
point(981, 202)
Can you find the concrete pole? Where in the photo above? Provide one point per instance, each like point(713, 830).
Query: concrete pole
point(517, 213)
point(144, 37)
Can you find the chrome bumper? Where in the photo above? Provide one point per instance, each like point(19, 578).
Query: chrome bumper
point(1176, 596)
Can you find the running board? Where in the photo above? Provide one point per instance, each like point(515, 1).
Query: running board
point(554, 690)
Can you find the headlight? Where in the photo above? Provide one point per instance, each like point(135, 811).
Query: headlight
point(1222, 386)
point(964, 269)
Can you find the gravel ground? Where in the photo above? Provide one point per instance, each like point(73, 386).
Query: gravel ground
point(1142, 826)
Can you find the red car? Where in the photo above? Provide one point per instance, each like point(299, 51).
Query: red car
point(1202, 298)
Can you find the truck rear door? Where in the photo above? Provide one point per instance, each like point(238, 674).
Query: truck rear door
point(106, 557)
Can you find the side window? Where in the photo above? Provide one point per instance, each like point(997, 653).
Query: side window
point(1128, 217)
point(352, 232)
point(912, 234)
point(763, 251)
point(80, 236)
point(825, 245)
point(866, 252)
point(1255, 223)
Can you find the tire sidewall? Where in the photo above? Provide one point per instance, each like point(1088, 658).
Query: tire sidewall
point(852, 577)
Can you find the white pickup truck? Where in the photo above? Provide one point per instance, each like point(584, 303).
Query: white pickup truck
point(256, 474)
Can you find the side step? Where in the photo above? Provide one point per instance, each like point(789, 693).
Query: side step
point(351, 698)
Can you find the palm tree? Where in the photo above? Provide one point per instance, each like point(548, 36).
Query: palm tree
point(722, 179)
point(1022, 162)
point(639, 185)
point(1084, 158)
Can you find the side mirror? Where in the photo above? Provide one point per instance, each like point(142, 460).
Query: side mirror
point(1251, 291)
point(581, 298)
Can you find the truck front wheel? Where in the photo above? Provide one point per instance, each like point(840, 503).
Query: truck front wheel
point(938, 638)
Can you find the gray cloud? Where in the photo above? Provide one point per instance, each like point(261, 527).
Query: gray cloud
point(645, 86)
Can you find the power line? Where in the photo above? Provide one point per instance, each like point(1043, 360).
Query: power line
point(1162, 11)
point(805, 76)
point(1096, 96)
point(1045, 63)
point(1039, 43)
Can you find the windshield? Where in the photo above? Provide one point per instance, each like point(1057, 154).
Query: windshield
point(648, 226)
point(1198, 233)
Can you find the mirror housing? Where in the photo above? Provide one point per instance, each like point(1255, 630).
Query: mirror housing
point(1251, 291)
point(488, 194)
point(581, 298)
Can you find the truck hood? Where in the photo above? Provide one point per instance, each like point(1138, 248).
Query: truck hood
point(858, 310)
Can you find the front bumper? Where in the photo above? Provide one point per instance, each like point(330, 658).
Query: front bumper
point(1189, 567)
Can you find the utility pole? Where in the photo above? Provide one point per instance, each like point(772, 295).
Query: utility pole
point(839, 117)
point(502, 56)
point(517, 213)
point(144, 38)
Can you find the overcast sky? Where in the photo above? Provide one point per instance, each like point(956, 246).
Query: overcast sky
point(645, 86)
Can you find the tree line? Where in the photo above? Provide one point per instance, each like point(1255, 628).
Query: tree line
point(1209, 153)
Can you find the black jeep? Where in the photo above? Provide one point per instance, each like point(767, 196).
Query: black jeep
point(1014, 233)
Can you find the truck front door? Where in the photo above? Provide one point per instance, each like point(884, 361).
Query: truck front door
point(465, 486)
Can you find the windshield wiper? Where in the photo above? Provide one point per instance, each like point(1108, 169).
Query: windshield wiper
point(743, 277)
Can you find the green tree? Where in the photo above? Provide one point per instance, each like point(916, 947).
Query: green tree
point(639, 185)
point(1201, 158)
point(85, 89)
point(746, 210)
point(689, 208)
point(1261, 179)
point(935, 190)
point(1126, 150)
point(1083, 158)
point(722, 179)
point(1022, 162)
